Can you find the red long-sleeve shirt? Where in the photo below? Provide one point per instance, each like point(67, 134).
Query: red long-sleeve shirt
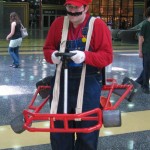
point(101, 44)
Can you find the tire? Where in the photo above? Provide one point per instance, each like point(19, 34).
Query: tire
point(17, 124)
point(111, 118)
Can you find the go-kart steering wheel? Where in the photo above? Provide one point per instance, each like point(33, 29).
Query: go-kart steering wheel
point(64, 55)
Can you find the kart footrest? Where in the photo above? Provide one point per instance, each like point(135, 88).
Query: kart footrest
point(93, 115)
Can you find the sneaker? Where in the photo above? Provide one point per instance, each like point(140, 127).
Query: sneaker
point(11, 65)
point(15, 66)
point(146, 91)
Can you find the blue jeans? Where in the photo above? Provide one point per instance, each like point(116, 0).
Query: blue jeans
point(91, 100)
point(14, 53)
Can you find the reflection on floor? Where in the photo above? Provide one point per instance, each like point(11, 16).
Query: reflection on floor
point(17, 87)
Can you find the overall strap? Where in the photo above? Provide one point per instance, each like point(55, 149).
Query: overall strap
point(56, 89)
point(82, 81)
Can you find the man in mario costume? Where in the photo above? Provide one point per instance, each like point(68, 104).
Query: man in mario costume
point(95, 58)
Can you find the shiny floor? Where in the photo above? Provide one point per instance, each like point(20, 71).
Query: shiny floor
point(17, 86)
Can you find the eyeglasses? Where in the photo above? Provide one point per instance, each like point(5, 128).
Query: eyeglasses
point(75, 8)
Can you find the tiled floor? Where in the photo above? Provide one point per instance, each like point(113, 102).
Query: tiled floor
point(17, 87)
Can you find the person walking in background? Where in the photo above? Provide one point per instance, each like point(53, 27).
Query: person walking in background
point(100, 54)
point(144, 52)
point(14, 38)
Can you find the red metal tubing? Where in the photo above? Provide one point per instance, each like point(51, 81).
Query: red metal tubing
point(86, 116)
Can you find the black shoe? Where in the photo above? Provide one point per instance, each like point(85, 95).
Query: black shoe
point(146, 91)
point(139, 82)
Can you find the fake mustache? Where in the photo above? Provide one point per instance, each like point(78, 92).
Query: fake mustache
point(74, 14)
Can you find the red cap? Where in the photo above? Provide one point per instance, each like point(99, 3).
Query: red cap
point(78, 2)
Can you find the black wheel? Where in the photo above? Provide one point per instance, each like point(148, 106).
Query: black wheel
point(17, 124)
point(111, 118)
point(44, 82)
point(134, 91)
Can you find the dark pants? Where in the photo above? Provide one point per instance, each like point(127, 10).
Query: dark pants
point(144, 77)
point(14, 53)
point(146, 70)
point(91, 100)
point(140, 78)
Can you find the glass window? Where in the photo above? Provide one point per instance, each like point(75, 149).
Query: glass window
point(118, 13)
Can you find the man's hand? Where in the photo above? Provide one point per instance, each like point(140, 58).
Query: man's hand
point(79, 57)
point(55, 60)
